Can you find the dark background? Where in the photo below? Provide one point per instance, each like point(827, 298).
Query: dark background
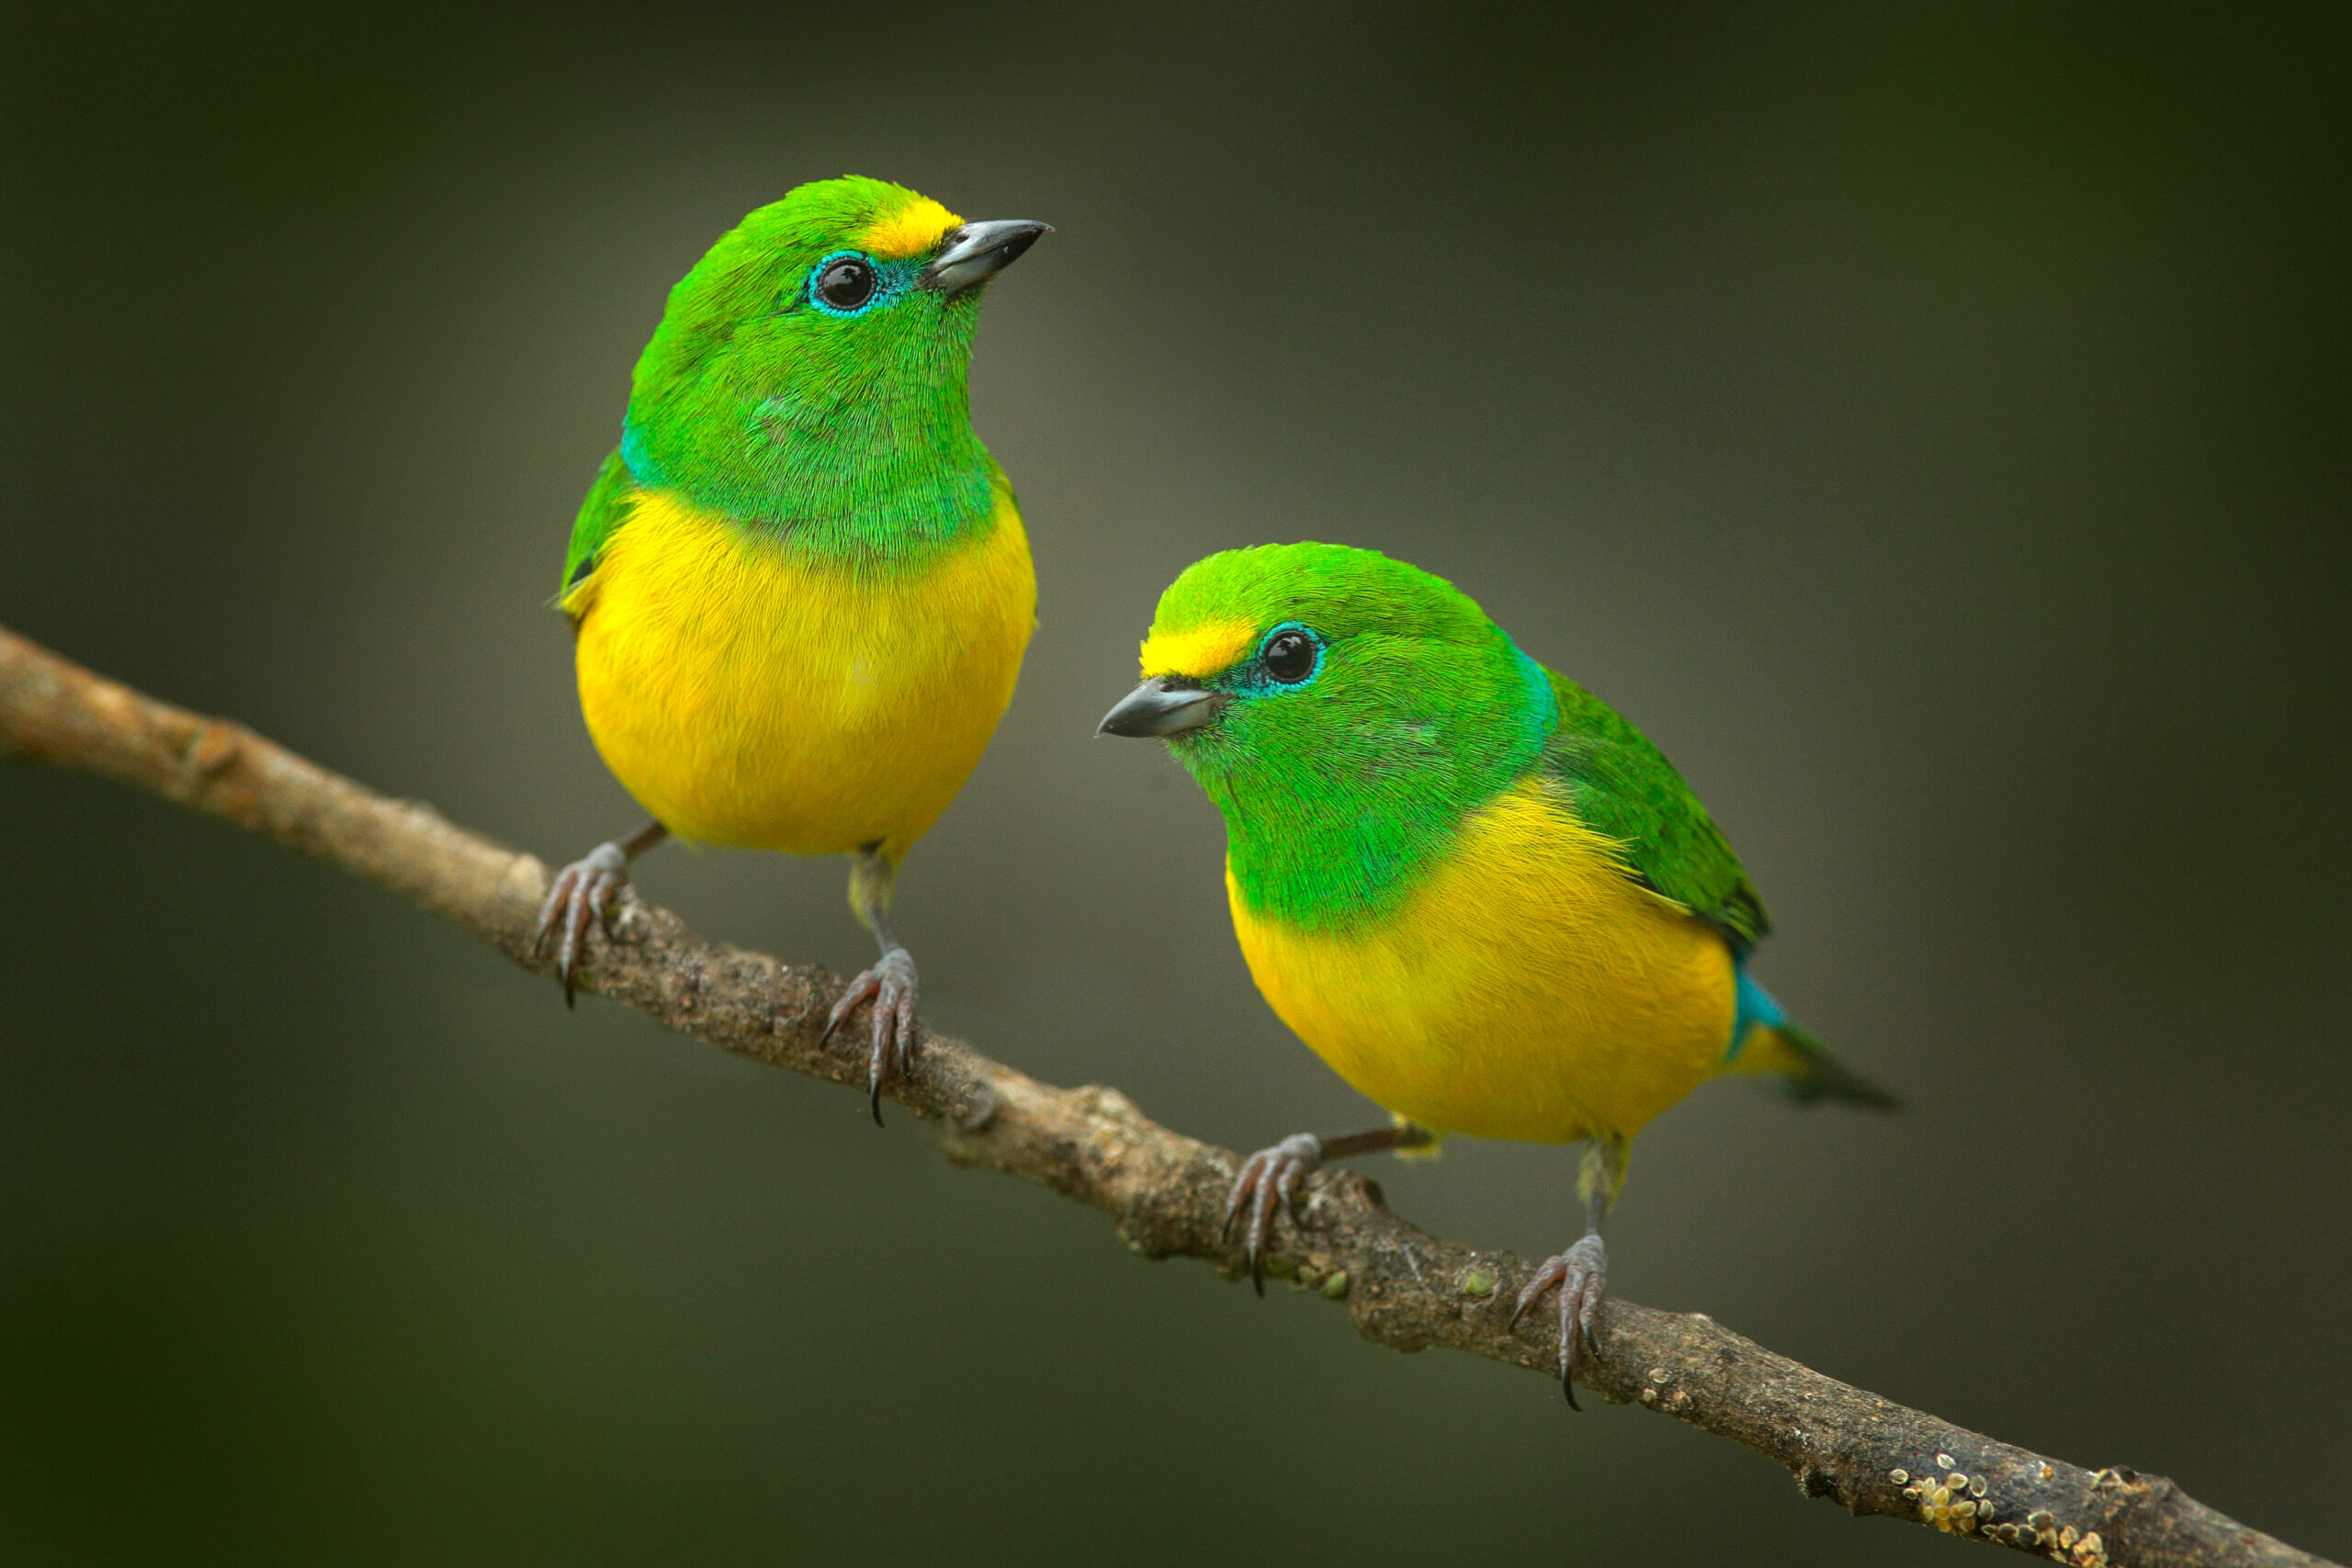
point(1928, 423)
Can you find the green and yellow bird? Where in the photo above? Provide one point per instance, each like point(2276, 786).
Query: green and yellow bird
point(801, 585)
point(1480, 895)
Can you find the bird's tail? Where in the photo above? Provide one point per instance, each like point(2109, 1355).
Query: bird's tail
point(1771, 1046)
point(1801, 1067)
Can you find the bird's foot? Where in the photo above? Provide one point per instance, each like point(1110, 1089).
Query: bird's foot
point(584, 891)
point(1269, 1177)
point(1581, 1273)
point(890, 986)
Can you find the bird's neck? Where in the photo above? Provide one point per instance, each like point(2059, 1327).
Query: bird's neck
point(1336, 840)
point(888, 476)
point(1322, 863)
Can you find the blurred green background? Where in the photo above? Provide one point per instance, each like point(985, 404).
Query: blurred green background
point(1928, 423)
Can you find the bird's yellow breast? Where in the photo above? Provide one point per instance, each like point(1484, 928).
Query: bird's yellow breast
point(747, 695)
point(1527, 989)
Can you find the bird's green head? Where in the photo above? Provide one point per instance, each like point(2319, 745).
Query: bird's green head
point(1342, 710)
point(809, 371)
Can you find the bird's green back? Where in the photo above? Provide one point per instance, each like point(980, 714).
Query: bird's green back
point(600, 514)
point(1623, 785)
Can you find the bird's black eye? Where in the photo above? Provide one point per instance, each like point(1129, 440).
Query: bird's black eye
point(845, 283)
point(1289, 657)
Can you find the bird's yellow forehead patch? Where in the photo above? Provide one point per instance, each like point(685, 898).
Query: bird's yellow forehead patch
point(911, 230)
point(1197, 650)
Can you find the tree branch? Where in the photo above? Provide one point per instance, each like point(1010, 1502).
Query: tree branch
point(1162, 1189)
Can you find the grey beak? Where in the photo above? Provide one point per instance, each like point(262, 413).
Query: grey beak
point(1162, 707)
point(977, 251)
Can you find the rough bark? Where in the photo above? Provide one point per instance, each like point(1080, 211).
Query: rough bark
point(1164, 1191)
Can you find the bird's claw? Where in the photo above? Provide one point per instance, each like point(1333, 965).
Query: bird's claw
point(890, 986)
point(1581, 1273)
point(1270, 1176)
point(582, 892)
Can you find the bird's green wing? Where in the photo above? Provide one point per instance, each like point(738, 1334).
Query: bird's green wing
point(600, 514)
point(1624, 786)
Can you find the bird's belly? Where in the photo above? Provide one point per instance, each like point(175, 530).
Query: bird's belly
point(1527, 989)
point(748, 696)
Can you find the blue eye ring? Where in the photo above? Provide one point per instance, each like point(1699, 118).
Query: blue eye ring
point(1279, 654)
point(857, 289)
